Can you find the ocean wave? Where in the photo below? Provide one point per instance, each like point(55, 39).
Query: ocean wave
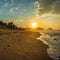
point(52, 39)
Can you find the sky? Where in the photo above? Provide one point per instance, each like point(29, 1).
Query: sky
point(23, 12)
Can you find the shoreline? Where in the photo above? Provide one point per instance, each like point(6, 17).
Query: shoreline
point(45, 44)
point(23, 46)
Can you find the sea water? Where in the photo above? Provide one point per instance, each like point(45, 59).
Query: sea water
point(52, 39)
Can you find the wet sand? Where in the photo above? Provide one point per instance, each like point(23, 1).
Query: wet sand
point(22, 45)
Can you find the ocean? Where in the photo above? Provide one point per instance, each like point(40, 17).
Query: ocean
point(52, 39)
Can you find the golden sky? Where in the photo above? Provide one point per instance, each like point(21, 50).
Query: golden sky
point(46, 13)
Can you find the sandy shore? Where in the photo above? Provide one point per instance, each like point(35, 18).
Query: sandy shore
point(22, 45)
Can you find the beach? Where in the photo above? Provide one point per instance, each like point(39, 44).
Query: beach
point(22, 45)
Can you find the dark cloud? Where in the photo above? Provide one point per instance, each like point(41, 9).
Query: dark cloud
point(49, 6)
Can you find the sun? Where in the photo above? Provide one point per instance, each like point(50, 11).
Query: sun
point(34, 25)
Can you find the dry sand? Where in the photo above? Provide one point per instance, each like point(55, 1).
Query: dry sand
point(22, 45)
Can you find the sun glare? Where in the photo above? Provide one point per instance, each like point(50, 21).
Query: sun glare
point(34, 25)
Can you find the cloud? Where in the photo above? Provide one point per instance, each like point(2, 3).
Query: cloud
point(5, 4)
point(11, 11)
point(48, 7)
point(16, 8)
point(12, 1)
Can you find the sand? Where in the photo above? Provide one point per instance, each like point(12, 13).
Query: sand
point(22, 45)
